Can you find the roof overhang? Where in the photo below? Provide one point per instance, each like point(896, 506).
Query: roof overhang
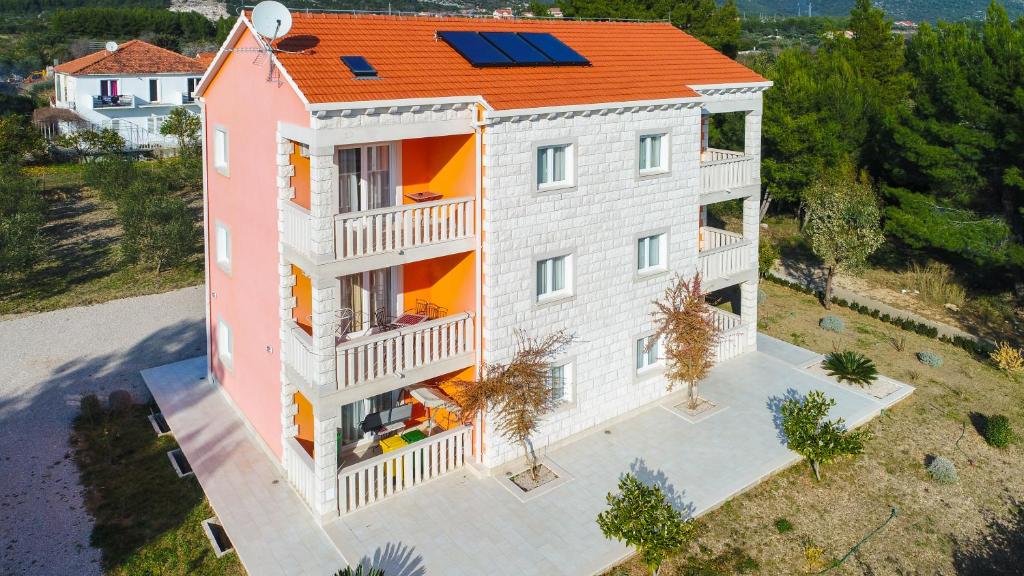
point(401, 102)
point(711, 89)
point(582, 108)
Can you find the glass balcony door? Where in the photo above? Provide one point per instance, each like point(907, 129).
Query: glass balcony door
point(365, 180)
point(367, 300)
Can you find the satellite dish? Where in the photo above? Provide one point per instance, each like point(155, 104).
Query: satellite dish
point(271, 19)
point(111, 46)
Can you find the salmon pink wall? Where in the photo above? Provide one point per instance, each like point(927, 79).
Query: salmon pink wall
point(241, 100)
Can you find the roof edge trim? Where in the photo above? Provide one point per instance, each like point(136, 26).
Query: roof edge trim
point(443, 100)
point(591, 107)
point(758, 86)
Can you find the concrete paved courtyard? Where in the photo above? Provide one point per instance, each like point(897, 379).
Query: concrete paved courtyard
point(464, 525)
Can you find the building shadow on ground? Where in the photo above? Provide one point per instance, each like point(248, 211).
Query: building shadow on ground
point(659, 479)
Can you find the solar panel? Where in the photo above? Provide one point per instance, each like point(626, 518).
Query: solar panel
point(554, 48)
point(359, 66)
point(516, 48)
point(475, 48)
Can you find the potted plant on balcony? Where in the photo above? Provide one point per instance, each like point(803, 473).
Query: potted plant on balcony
point(686, 328)
point(518, 391)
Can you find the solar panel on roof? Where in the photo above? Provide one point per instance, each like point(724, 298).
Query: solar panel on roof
point(554, 48)
point(359, 66)
point(516, 48)
point(475, 48)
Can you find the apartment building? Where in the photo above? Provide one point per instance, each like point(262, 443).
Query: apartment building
point(129, 88)
point(389, 198)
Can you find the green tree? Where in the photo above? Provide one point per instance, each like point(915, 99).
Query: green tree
point(809, 434)
point(642, 517)
point(185, 127)
point(19, 139)
point(22, 211)
point(537, 9)
point(843, 224)
point(158, 227)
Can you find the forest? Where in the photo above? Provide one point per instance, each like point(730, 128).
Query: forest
point(916, 10)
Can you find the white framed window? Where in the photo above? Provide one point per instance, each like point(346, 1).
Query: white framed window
point(225, 343)
point(366, 178)
point(190, 88)
point(109, 88)
point(650, 253)
point(652, 154)
point(554, 278)
point(154, 89)
point(222, 244)
point(648, 353)
point(220, 149)
point(560, 381)
point(555, 166)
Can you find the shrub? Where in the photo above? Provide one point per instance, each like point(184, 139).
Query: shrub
point(899, 343)
point(943, 470)
point(832, 324)
point(850, 366)
point(1008, 358)
point(91, 408)
point(358, 571)
point(997, 431)
point(120, 402)
point(783, 525)
point(767, 254)
point(809, 434)
point(929, 358)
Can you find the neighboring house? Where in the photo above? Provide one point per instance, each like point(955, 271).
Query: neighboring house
point(378, 227)
point(131, 89)
point(503, 13)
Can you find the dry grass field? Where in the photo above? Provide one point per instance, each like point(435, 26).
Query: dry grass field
point(974, 527)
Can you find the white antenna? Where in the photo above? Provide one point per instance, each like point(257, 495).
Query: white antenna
point(271, 19)
point(111, 46)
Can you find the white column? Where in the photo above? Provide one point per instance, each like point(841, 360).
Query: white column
point(325, 462)
point(748, 313)
point(324, 343)
point(323, 205)
point(286, 280)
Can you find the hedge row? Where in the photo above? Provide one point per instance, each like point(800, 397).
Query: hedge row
point(980, 349)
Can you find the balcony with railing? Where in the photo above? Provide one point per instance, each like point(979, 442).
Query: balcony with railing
point(116, 101)
point(382, 237)
point(724, 254)
point(725, 170)
point(732, 334)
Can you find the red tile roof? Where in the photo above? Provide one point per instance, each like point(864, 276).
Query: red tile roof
point(630, 61)
point(133, 57)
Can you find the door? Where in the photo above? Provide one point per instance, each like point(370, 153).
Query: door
point(368, 299)
point(352, 416)
point(365, 178)
point(108, 88)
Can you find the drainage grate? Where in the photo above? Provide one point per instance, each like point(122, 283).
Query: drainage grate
point(217, 536)
point(160, 425)
point(181, 465)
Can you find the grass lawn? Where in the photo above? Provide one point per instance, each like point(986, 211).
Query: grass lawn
point(974, 527)
point(82, 264)
point(148, 521)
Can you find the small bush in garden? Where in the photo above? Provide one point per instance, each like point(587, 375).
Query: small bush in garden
point(997, 431)
point(832, 324)
point(767, 254)
point(850, 366)
point(899, 343)
point(930, 359)
point(943, 470)
point(783, 525)
point(1008, 358)
point(120, 402)
point(91, 408)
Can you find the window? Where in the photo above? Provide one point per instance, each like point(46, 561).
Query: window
point(554, 166)
point(364, 178)
point(652, 153)
point(650, 253)
point(191, 88)
point(223, 247)
point(560, 380)
point(647, 350)
point(220, 150)
point(225, 343)
point(154, 89)
point(368, 300)
point(108, 88)
point(553, 278)
point(155, 122)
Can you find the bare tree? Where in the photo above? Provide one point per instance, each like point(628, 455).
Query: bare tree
point(519, 392)
point(686, 328)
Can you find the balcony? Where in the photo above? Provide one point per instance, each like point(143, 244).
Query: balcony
point(187, 99)
point(376, 363)
point(725, 258)
point(725, 171)
point(732, 334)
point(118, 101)
point(391, 236)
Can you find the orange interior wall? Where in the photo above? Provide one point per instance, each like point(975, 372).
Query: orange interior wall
point(303, 293)
point(448, 282)
point(304, 420)
point(300, 180)
point(445, 165)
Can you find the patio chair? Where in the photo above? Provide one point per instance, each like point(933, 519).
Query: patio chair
point(381, 321)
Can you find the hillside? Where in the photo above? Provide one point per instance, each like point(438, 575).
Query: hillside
point(916, 10)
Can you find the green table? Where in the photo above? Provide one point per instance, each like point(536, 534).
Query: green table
point(413, 436)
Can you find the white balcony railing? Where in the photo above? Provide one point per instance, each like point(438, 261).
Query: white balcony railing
point(732, 334)
point(384, 476)
point(301, 471)
point(724, 170)
point(297, 228)
point(396, 352)
point(724, 254)
point(402, 227)
point(298, 353)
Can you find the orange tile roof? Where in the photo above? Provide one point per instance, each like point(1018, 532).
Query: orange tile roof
point(630, 61)
point(133, 57)
point(206, 58)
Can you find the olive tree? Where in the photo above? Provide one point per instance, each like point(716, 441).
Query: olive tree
point(642, 517)
point(809, 434)
point(686, 328)
point(843, 224)
point(185, 127)
point(519, 391)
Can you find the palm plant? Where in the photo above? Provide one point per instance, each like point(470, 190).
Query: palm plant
point(850, 366)
point(519, 392)
point(358, 571)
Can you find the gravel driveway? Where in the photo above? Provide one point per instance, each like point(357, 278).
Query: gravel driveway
point(47, 362)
